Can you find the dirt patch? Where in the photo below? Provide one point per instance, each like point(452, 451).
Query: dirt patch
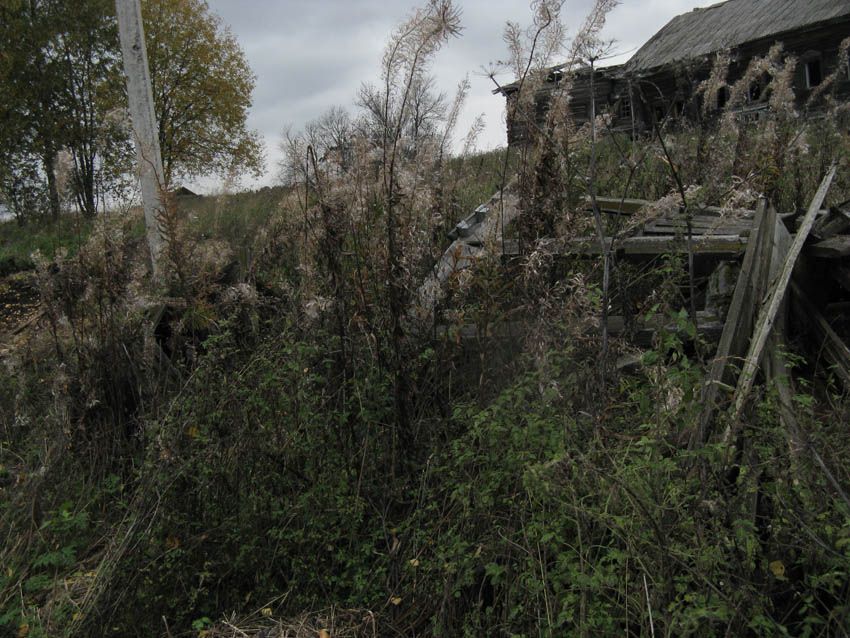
point(18, 301)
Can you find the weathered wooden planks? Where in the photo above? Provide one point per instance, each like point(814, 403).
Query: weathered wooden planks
point(700, 225)
point(739, 321)
point(769, 311)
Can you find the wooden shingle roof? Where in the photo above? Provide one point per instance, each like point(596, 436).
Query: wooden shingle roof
point(730, 24)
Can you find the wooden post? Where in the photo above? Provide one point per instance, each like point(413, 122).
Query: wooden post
point(146, 131)
point(739, 320)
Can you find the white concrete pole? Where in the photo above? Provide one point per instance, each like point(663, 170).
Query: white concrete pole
point(146, 131)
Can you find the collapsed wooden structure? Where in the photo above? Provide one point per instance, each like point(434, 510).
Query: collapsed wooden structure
point(792, 278)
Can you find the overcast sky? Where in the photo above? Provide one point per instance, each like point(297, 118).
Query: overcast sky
point(309, 55)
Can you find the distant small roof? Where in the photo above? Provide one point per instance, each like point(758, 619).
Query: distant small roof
point(184, 192)
point(729, 24)
point(557, 72)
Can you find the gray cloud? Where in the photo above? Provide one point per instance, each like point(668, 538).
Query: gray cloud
point(311, 55)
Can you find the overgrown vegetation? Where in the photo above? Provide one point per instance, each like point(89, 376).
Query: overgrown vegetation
point(275, 443)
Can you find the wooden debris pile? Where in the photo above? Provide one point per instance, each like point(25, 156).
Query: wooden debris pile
point(786, 276)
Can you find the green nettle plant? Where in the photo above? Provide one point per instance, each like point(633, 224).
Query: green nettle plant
point(275, 445)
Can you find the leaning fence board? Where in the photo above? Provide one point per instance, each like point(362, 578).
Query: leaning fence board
point(738, 323)
point(769, 311)
point(706, 244)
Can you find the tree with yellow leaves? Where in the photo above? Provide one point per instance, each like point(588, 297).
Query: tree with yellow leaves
point(202, 87)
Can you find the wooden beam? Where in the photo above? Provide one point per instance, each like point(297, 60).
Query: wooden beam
point(769, 311)
point(702, 245)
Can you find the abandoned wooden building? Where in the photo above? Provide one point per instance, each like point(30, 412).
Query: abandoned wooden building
point(661, 78)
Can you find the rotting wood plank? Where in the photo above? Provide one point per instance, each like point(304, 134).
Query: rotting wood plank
point(833, 248)
point(769, 311)
point(706, 244)
point(833, 348)
point(697, 231)
point(701, 222)
point(738, 322)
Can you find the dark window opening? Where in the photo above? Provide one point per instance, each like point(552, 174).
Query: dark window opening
point(754, 92)
point(814, 73)
point(625, 110)
point(579, 111)
point(722, 97)
point(679, 108)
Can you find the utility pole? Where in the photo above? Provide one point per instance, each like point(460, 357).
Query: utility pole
point(146, 131)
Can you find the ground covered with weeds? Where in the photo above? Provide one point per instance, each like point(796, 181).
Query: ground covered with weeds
point(269, 443)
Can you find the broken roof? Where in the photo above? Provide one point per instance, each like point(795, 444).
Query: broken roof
point(729, 24)
point(556, 73)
